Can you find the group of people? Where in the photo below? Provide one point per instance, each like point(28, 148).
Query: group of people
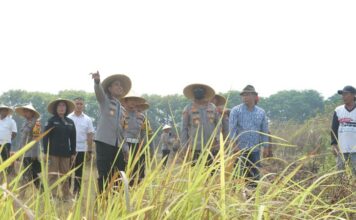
point(123, 134)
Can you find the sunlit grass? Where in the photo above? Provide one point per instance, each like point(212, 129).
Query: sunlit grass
point(183, 191)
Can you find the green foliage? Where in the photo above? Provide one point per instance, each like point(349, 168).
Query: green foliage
point(293, 105)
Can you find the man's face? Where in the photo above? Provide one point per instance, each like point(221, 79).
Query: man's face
point(248, 98)
point(130, 105)
point(116, 89)
point(28, 114)
point(4, 112)
point(199, 93)
point(348, 97)
point(79, 106)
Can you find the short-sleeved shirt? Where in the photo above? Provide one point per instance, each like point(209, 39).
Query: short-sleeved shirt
point(83, 127)
point(7, 126)
point(344, 127)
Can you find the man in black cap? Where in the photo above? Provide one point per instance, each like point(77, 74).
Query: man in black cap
point(343, 135)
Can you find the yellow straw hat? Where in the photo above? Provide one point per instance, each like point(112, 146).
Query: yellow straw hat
point(188, 91)
point(69, 103)
point(2, 106)
point(125, 83)
point(20, 110)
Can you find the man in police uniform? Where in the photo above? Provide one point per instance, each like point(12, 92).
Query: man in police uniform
point(31, 129)
point(109, 136)
point(133, 124)
point(200, 120)
point(219, 101)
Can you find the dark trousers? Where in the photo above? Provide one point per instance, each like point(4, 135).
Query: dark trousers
point(165, 155)
point(109, 159)
point(34, 168)
point(210, 159)
point(139, 166)
point(5, 154)
point(78, 173)
point(250, 164)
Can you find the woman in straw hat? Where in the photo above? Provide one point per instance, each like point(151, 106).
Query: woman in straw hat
point(60, 143)
point(30, 130)
point(8, 130)
point(200, 120)
point(109, 136)
point(135, 133)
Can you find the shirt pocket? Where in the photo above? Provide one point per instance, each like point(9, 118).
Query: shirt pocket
point(257, 122)
point(211, 116)
point(195, 119)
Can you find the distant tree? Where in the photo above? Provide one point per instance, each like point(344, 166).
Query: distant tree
point(293, 105)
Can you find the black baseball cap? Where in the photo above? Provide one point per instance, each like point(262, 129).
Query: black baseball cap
point(349, 89)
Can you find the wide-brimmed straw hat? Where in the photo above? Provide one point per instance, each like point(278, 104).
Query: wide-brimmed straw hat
point(166, 127)
point(219, 100)
point(20, 110)
point(249, 89)
point(125, 83)
point(133, 96)
point(188, 91)
point(69, 103)
point(2, 106)
point(143, 106)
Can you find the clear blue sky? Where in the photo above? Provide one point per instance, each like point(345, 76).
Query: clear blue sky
point(165, 45)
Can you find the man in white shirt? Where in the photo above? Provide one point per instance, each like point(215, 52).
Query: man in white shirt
point(85, 130)
point(343, 135)
point(8, 130)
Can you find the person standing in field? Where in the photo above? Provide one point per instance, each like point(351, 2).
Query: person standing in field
point(60, 143)
point(220, 101)
point(8, 131)
point(343, 135)
point(167, 140)
point(31, 129)
point(200, 127)
point(135, 133)
point(84, 146)
point(147, 132)
point(245, 124)
point(109, 136)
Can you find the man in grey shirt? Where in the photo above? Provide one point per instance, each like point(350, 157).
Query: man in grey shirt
point(200, 128)
point(109, 137)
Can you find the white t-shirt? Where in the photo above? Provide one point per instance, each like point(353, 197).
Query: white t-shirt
point(7, 126)
point(83, 126)
point(347, 129)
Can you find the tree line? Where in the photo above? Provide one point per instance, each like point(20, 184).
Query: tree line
point(291, 105)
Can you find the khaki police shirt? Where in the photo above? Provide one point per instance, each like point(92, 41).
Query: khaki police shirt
point(198, 125)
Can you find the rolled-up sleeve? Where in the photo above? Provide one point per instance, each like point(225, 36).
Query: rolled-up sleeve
point(264, 129)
